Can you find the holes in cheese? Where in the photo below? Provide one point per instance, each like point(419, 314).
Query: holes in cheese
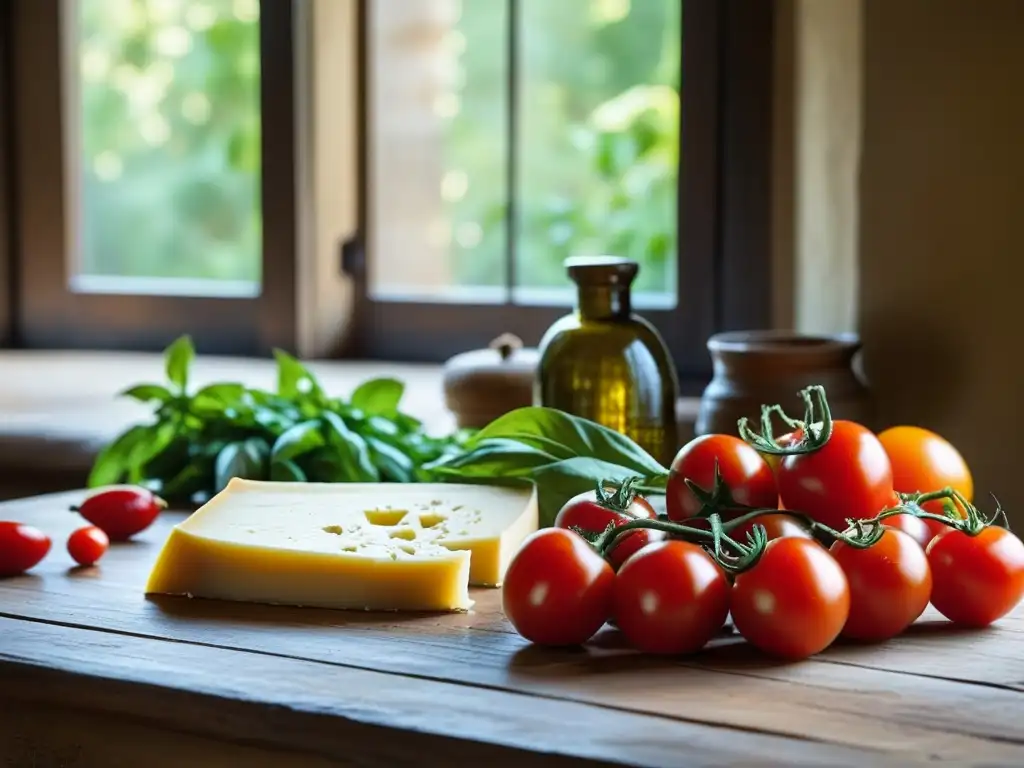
point(385, 516)
point(403, 533)
point(346, 545)
point(431, 519)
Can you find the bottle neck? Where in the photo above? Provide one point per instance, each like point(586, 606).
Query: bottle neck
point(604, 302)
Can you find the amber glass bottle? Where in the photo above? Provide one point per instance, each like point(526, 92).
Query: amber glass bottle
point(607, 364)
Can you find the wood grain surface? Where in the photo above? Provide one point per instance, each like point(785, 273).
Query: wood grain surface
point(85, 648)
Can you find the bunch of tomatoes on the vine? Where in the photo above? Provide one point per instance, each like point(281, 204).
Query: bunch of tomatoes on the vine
point(114, 514)
point(825, 531)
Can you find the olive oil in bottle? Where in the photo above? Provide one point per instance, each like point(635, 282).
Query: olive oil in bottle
point(606, 364)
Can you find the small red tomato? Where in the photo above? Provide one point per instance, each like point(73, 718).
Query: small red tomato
point(121, 511)
point(87, 545)
point(748, 476)
point(670, 598)
point(589, 513)
point(849, 477)
point(776, 525)
point(794, 601)
point(557, 589)
point(788, 439)
point(890, 585)
point(21, 548)
point(914, 527)
point(976, 579)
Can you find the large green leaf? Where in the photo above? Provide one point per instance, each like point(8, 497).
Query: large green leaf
point(558, 482)
point(568, 436)
point(294, 380)
point(178, 358)
point(495, 457)
point(111, 465)
point(394, 465)
point(297, 440)
point(245, 459)
point(378, 397)
point(352, 450)
point(147, 393)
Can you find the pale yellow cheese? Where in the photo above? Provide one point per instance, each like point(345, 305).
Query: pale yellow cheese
point(346, 545)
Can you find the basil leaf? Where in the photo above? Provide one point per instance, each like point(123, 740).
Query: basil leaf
point(177, 359)
point(170, 461)
point(293, 378)
point(324, 465)
point(496, 456)
point(194, 478)
point(297, 440)
point(225, 393)
point(352, 448)
point(560, 481)
point(382, 427)
point(378, 397)
point(287, 472)
point(156, 438)
point(245, 459)
point(554, 431)
point(146, 393)
point(111, 464)
point(394, 465)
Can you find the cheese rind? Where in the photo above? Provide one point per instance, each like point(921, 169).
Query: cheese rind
point(365, 546)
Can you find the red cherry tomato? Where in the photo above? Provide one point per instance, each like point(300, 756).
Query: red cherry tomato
point(586, 512)
point(914, 527)
point(747, 475)
point(794, 601)
point(670, 598)
point(776, 525)
point(21, 548)
point(976, 579)
point(87, 545)
point(122, 511)
point(557, 589)
point(890, 585)
point(849, 477)
point(785, 441)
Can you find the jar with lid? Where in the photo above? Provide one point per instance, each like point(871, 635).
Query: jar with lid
point(607, 364)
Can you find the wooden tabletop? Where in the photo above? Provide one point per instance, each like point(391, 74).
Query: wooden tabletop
point(94, 674)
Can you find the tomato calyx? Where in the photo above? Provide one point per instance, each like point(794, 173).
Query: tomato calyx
point(621, 497)
point(814, 430)
point(719, 499)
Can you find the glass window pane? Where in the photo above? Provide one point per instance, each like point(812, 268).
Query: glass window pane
point(166, 148)
point(438, 101)
point(598, 137)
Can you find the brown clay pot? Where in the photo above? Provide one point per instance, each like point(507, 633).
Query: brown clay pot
point(752, 368)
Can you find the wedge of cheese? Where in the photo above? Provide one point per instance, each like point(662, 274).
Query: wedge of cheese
point(346, 545)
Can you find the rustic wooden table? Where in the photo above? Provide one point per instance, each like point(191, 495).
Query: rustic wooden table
point(94, 674)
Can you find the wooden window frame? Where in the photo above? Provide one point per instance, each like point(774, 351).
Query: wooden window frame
point(38, 308)
point(725, 211)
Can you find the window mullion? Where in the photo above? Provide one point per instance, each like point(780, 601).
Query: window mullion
point(512, 150)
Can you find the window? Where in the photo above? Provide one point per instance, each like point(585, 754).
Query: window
point(148, 206)
point(158, 153)
point(503, 136)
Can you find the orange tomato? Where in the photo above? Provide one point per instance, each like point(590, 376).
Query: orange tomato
point(924, 461)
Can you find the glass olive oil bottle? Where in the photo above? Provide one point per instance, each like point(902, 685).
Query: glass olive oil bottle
point(604, 363)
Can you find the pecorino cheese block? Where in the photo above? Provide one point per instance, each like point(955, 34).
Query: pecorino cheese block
point(380, 546)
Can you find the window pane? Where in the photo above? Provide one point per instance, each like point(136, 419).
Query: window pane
point(167, 146)
point(598, 137)
point(438, 98)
